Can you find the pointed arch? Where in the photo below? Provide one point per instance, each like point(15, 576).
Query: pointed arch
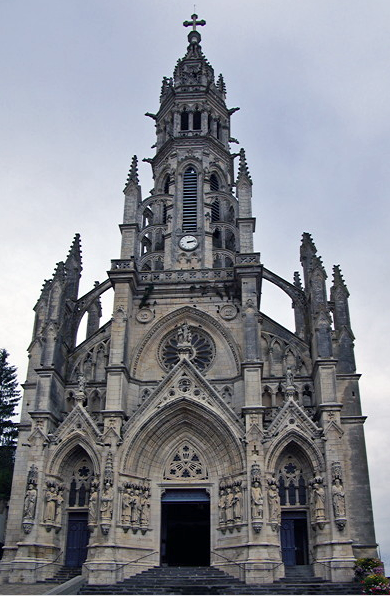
point(294, 440)
point(148, 447)
point(66, 450)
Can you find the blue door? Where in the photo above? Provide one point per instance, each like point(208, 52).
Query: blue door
point(77, 542)
point(287, 539)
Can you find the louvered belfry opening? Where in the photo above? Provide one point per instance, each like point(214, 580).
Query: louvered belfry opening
point(190, 200)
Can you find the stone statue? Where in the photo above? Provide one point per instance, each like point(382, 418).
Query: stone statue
point(30, 502)
point(145, 507)
point(273, 502)
point(256, 500)
point(318, 500)
point(184, 334)
point(237, 503)
point(338, 498)
point(106, 502)
point(126, 506)
point(59, 501)
point(93, 504)
point(222, 506)
point(229, 504)
point(50, 506)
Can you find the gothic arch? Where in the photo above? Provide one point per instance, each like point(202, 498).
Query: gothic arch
point(294, 439)
point(147, 450)
point(66, 450)
point(201, 319)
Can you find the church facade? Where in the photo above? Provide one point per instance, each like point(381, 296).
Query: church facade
point(191, 429)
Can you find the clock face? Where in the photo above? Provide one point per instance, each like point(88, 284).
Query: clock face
point(188, 242)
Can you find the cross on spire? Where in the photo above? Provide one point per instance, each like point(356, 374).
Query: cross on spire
point(194, 22)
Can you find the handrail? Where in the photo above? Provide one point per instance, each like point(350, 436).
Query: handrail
point(50, 562)
point(242, 566)
point(119, 565)
point(320, 562)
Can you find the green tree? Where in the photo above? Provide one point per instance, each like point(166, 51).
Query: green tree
point(9, 397)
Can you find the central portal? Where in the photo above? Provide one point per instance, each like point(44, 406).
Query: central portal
point(185, 528)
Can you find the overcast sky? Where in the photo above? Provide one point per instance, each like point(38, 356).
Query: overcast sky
point(312, 80)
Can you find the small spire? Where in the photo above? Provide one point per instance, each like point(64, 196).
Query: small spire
point(75, 250)
point(308, 244)
point(338, 280)
point(133, 172)
point(221, 85)
point(243, 170)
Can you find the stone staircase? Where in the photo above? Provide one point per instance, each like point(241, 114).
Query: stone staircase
point(209, 580)
point(62, 575)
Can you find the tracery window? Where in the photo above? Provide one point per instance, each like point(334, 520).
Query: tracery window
point(292, 484)
point(202, 349)
point(186, 463)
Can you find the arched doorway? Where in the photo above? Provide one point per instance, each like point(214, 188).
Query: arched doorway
point(293, 472)
point(77, 472)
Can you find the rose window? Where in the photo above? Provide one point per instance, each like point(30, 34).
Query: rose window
point(196, 346)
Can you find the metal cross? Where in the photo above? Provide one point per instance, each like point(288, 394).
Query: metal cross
point(194, 22)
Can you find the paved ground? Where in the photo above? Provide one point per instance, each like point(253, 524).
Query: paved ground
point(26, 588)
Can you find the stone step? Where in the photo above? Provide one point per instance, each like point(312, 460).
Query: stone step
point(208, 580)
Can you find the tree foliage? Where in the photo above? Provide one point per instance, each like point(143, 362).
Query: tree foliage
point(9, 397)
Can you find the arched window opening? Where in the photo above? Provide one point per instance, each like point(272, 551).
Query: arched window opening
point(209, 123)
point(167, 182)
point(146, 245)
point(215, 211)
point(147, 218)
point(197, 120)
point(217, 239)
point(184, 120)
point(214, 183)
point(217, 264)
point(218, 129)
point(190, 200)
point(292, 483)
point(230, 240)
point(230, 215)
point(267, 398)
point(307, 396)
point(159, 241)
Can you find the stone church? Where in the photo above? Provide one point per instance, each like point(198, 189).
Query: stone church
point(192, 428)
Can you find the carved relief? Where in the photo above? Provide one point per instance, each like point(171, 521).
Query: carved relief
point(230, 505)
point(54, 499)
point(135, 507)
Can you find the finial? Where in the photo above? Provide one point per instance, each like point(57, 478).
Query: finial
point(194, 35)
point(194, 22)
